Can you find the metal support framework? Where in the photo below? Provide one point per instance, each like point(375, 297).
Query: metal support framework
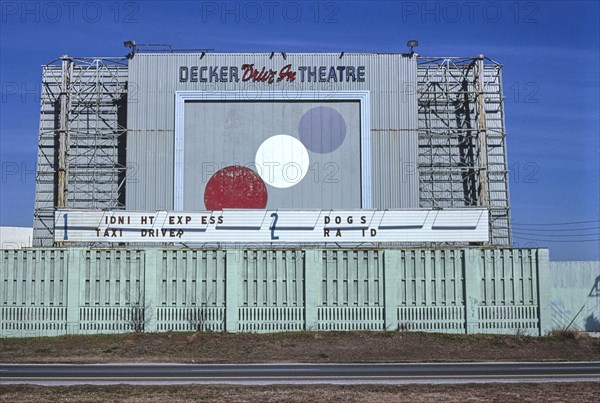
point(462, 148)
point(81, 155)
point(82, 140)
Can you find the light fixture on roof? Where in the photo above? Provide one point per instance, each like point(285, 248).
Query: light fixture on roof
point(412, 43)
point(131, 45)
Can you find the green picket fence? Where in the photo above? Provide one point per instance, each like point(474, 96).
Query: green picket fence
point(86, 291)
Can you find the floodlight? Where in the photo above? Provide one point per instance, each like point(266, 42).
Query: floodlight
point(412, 43)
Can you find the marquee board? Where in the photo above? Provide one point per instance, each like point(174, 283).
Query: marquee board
point(273, 226)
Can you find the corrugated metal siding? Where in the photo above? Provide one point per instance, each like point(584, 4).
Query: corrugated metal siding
point(153, 81)
point(497, 161)
point(149, 152)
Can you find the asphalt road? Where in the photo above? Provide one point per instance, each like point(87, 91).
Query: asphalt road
point(68, 374)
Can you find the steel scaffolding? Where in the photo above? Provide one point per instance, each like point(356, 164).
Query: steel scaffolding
point(462, 148)
point(81, 149)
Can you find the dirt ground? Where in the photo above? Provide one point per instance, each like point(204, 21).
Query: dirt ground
point(526, 392)
point(298, 347)
point(301, 347)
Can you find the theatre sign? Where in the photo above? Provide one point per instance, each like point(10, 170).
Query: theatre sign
point(287, 73)
point(273, 226)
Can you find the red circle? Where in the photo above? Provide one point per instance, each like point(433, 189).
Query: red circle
point(235, 186)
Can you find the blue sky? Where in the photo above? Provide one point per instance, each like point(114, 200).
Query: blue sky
point(550, 52)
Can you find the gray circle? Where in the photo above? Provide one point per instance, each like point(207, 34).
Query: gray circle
point(322, 129)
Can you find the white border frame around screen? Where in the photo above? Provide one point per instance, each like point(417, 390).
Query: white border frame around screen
point(365, 127)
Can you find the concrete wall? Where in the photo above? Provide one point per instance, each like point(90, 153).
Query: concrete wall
point(85, 291)
point(575, 295)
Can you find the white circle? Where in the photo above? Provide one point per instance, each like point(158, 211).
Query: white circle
point(274, 158)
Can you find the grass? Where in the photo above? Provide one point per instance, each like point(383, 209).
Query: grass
point(301, 347)
point(318, 347)
point(564, 333)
